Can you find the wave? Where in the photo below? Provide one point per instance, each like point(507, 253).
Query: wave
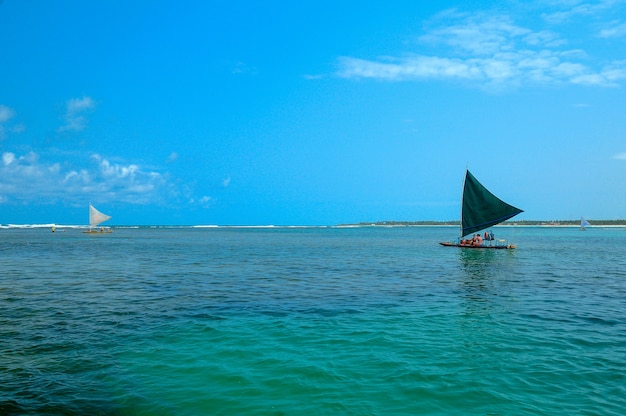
point(8, 226)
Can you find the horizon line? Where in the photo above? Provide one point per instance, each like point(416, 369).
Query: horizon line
point(449, 223)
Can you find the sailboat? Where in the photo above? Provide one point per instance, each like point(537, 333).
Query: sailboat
point(584, 224)
point(96, 218)
point(480, 209)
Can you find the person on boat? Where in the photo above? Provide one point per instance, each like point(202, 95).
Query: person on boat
point(477, 240)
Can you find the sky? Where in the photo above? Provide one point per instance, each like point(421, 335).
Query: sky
point(311, 112)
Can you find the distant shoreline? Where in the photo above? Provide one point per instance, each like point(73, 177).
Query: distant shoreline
point(523, 223)
point(534, 223)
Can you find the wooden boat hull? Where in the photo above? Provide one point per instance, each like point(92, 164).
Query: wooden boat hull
point(495, 246)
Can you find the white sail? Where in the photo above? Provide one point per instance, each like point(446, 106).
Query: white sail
point(96, 217)
point(584, 223)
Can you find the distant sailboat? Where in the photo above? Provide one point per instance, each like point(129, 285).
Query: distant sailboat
point(96, 218)
point(584, 224)
point(480, 209)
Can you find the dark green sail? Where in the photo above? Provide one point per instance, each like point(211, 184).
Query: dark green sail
point(481, 208)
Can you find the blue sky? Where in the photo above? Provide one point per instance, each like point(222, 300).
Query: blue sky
point(313, 113)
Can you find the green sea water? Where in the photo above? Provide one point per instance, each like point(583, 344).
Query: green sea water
point(318, 321)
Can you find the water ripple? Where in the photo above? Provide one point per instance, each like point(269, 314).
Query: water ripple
point(325, 321)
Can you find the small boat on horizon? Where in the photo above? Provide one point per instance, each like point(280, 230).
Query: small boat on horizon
point(96, 218)
point(584, 224)
point(480, 209)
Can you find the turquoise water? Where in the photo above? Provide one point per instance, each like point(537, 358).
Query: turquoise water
point(323, 321)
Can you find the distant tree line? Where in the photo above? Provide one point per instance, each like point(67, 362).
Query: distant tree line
point(521, 222)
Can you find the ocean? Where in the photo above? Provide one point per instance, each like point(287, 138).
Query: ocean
point(311, 320)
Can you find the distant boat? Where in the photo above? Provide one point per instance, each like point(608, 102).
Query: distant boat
point(584, 224)
point(480, 209)
point(96, 218)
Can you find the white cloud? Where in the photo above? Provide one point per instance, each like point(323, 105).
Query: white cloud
point(514, 68)
point(620, 156)
point(616, 71)
point(28, 178)
point(414, 67)
point(172, 157)
point(77, 105)
point(226, 182)
point(241, 68)
point(6, 113)
point(8, 158)
point(74, 113)
point(478, 34)
point(617, 30)
point(544, 38)
point(205, 201)
point(115, 171)
point(566, 10)
point(489, 51)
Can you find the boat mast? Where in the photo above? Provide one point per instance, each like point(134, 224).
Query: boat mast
point(462, 196)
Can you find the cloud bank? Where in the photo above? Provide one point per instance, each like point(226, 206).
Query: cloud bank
point(493, 51)
point(28, 179)
point(32, 177)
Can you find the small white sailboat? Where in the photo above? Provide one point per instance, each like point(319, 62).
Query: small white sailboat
point(584, 224)
point(96, 218)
